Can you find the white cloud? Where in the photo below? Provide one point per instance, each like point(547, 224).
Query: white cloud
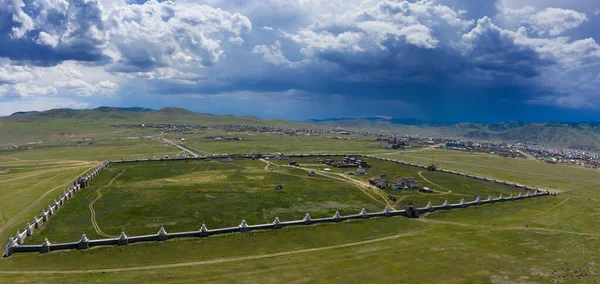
point(45, 38)
point(376, 26)
point(514, 18)
point(11, 74)
point(571, 54)
point(155, 35)
point(21, 90)
point(546, 22)
point(26, 81)
point(419, 35)
point(236, 40)
point(72, 29)
point(24, 21)
point(554, 21)
point(190, 45)
point(83, 88)
point(273, 55)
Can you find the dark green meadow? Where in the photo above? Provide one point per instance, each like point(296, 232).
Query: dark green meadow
point(540, 240)
point(182, 194)
point(444, 185)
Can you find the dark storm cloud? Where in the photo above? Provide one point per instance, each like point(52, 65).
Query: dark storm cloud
point(416, 58)
point(48, 35)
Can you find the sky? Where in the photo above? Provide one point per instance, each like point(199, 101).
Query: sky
point(443, 60)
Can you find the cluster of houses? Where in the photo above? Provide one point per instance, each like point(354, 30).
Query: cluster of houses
point(223, 138)
point(360, 171)
point(346, 162)
point(380, 182)
point(403, 183)
point(184, 129)
point(406, 141)
point(501, 149)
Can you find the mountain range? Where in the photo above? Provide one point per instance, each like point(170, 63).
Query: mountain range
point(573, 135)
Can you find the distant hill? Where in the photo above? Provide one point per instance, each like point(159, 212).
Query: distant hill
point(130, 109)
point(58, 124)
point(34, 125)
point(573, 135)
point(106, 115)
point(375, 119)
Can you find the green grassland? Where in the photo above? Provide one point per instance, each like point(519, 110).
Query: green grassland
point(445, 185)
point(531, 172)
point(442, 250)
point(273, 143)
point(70, 124)
point(139, 197)
point(91, 150)
point(31, 178)
point(541, 240)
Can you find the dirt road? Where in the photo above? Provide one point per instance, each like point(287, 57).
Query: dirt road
point(91, 206)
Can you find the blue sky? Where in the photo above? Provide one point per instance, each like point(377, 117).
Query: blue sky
point(444, 60)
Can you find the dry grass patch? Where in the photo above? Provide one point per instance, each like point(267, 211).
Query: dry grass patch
point(255, 177)
point(186, 179)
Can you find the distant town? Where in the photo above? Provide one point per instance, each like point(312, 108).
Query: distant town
point(388, 140)
point(550, 155)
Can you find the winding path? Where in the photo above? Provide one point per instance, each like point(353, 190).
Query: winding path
point(449, 191)
point(509, 170)
point(40, 172)
point(180, 147)
point(91, 206)
point(502, 228)
point(365, 188)
point(34, 203)
point(218, 260)
point(293, 252)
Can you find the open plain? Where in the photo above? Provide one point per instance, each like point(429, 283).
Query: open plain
point(542, 240)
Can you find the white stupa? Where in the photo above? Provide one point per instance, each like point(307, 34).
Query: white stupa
point(307, 218)
point(386, 210)
point(429, 205)
point(161, 231)
point(276, 222)
point(446, 204)
point(11, 242)
point(337, 215)
point(84, 238)
point(363, 212)
point(243, 225)
point(203, 228)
